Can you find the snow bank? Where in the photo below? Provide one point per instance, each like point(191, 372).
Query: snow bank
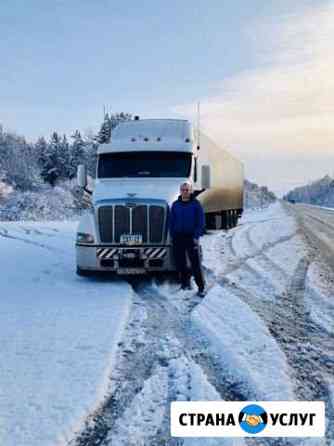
point(319, 297)
point(62, 202)
point(193, 385)
point(142, 419)
point(243, 346)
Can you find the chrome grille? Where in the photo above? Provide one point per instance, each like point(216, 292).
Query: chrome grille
point(149, 220)
point(106, 224)
point(156, 223)
point(122, 221)
point(139, 221)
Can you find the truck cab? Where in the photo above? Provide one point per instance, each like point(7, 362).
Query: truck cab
point(138, 176)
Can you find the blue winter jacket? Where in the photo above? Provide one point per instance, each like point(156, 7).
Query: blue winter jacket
point(186, 217)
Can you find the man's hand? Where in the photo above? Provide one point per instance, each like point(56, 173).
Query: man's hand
point(196, 241)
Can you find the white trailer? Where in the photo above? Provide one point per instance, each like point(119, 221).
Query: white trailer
point(138, 177)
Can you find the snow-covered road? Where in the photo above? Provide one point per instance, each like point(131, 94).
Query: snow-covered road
point(119, 353)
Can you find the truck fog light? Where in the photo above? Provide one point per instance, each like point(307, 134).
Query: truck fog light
point(83, 237)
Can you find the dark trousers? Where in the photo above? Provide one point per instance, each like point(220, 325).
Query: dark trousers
point(183, 244)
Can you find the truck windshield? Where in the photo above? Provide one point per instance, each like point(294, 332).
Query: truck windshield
point(144, 164)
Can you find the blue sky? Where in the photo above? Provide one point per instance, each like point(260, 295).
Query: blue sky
point(62, 60)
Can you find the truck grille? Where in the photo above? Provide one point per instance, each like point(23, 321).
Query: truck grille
point(139, 221)
point(106, 223)
point(147, 220)
point(122, 221)
point(156, 223)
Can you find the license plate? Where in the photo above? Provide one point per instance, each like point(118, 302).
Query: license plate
point(131, 239)
point(129, 255)
point(131, 271)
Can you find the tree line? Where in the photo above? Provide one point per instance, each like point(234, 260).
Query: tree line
point(25, 166)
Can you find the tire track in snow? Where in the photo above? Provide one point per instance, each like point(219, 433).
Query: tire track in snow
point(241, 260)
point(6, 234)
point(165, 335)
point(157, 336)
point(308, 349)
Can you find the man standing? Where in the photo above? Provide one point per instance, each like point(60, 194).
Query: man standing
point(186, 225)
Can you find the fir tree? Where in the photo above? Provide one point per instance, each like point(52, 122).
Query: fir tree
point(104, 134)
point(116, 118)
point(77, 153)
point(49, 160)
point(108, 125)
point(63, 158)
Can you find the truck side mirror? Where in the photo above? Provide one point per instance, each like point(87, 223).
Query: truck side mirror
point(206, 177)
point(82, 176)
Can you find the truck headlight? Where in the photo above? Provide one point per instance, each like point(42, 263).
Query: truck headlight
point(83, 237)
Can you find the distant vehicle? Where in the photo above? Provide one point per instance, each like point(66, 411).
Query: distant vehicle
point(138, 177)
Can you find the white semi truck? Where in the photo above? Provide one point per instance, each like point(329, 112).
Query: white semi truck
point(138, 176)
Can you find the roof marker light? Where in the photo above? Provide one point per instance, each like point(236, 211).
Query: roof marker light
point(146, 139)
point(133, 139)
point(158, 138)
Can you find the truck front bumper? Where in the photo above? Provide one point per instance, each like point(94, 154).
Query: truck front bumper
point(124, 260)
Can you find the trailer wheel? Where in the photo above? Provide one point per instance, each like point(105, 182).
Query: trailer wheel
point(210, 221)
point(234, 218)
point(224, 220)
point(228, 220)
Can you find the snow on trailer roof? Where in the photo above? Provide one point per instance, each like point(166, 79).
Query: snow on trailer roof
point(150, 134)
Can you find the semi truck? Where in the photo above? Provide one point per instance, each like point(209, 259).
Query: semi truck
point(138, 176)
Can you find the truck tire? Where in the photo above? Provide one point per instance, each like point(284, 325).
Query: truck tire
point(210, 221)
point(224, 220)
point(229, 219)
point(84, 272)
point(233, 218)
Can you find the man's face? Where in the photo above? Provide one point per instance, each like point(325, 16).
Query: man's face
point(185, 191)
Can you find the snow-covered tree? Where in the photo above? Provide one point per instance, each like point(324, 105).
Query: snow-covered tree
point(116, 118)
point(49, 160)
point(18, 163)
point(319, 192)
point(109, 123)
point(91, 146)
point(104, 134)
point(77, 153)
point(63, 158)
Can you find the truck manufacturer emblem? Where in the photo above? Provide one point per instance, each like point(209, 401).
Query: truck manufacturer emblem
point(131, 194)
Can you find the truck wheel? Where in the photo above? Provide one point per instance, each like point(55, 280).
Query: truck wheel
point(233, 220)
point(224, 220)
point(210, 221)
point(84, 272)
point(228, 220)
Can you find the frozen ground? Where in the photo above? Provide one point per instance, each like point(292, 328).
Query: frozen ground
point(111, 356)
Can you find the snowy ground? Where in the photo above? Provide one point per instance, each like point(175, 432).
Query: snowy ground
point(119, 353)
point(57, 334)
